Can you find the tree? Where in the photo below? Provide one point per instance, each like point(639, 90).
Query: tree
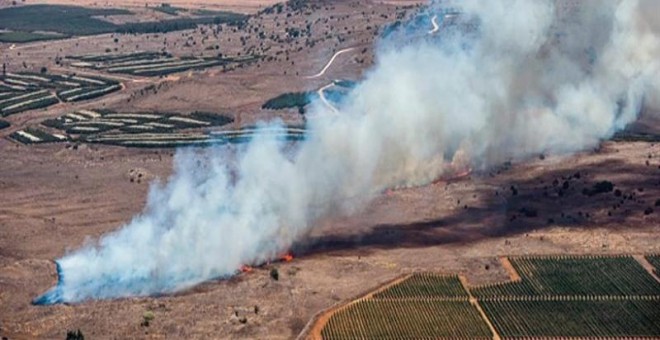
point(44, 70)
point(74, 335)
point(274, 274)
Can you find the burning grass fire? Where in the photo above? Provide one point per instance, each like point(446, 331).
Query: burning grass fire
point(508, 81)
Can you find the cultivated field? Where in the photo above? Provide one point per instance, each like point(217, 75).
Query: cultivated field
point(150, 64)
point(552, 296)
point(29, 91)
point(145, 129)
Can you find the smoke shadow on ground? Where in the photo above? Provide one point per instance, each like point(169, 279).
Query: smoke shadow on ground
point(557, 198)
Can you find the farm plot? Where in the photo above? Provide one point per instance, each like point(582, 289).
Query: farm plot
point(426, 285)
point(28, 91)
point(422, 306)
point(193, 138)
point(150, 64)
point(406, 319)
point(156, 129)
point(245, 134)
point(574, 318)
point(87, 122)
point(36, 136)
point(654, 260)
point(575, 275)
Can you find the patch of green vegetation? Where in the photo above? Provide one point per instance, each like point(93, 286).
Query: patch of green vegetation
point(42, 137)
point(168, 9)
point(289, 100)
point(213, 118)
point(349, 84)
point(71, 20)
point(574, 319)
point(574, 275)
point(24, 37)
point(76, 20)
point(179, 24)
point(74, 335)
point(424, 285)
point(147, 318)
point(4, 124)
point(211, 13)
point(118, 58)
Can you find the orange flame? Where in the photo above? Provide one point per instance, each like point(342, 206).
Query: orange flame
point(246, 269)
point(288, 257)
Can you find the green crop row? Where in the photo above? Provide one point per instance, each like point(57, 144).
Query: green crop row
point(578, 275)
point(33, 102)
point(89, 93)
point(597, 318)
point(43, 137)
point(406, 319)
point(654, 260)
point(425, 285)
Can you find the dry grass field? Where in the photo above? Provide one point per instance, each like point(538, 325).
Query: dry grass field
point(55, 197)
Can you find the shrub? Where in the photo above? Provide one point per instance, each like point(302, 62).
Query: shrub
point(288, 100)
point(599, 188)
point(74, 335)
point(147, 318)
point(274, 274)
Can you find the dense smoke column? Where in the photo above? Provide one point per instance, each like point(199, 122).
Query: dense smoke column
point(508, 79)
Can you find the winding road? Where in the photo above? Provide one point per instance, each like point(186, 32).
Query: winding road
point(436, 27)
point(324, 99)
point(332, 60)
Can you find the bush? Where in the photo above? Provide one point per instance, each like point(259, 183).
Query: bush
point(288, 100)
point(74, 335)
point(599, 188)
point(274, 274)
point(147, 318)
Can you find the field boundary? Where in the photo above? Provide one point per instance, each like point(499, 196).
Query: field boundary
point(313, 328)
point(510, 269)
point(475, 303)
point(647, 265)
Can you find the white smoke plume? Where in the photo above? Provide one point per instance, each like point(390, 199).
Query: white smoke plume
point(510, 79)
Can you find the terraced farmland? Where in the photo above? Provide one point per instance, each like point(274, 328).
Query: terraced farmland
point(422, 306)
point(150, 64)
point(148, 129)
point(37, 136)
point(21, 92)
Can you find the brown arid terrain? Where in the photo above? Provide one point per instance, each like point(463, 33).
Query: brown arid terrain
point(55, 198)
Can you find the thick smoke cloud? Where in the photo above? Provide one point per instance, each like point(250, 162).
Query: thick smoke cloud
point(507, 79)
